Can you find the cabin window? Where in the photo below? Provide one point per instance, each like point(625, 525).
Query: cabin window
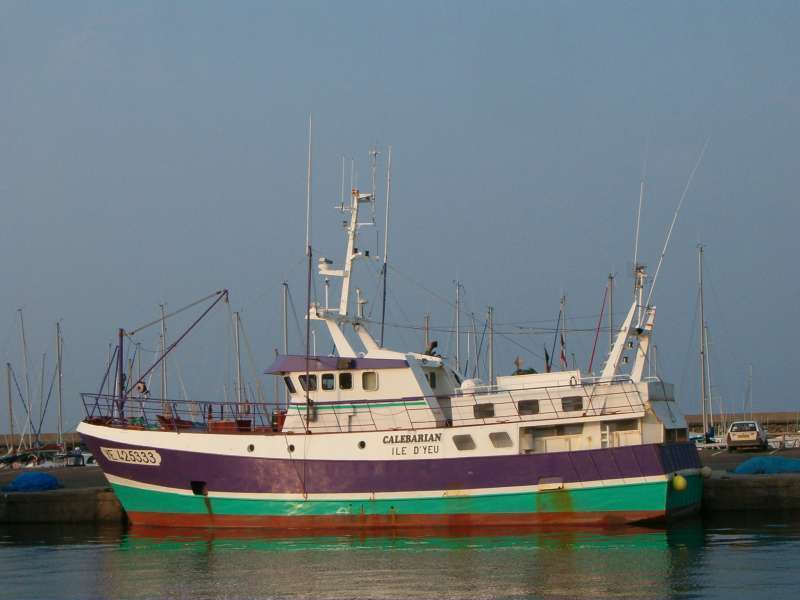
point(573, 429)
point(483, 411)
point(289, 385)
point(500, 439)
point(629, 425)
point(558, 430)
point(369, 381)
point(528, 407)
point(464, 442)
point(328, 382)
point(312, 382)
point(345, 381)
point(432, 380)
point(571, 403)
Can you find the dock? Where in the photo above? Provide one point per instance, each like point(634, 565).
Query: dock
point(85, 497)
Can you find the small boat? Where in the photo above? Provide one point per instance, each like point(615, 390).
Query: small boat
point(374, 437)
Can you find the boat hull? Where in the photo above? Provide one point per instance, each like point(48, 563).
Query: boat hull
point(589, 487)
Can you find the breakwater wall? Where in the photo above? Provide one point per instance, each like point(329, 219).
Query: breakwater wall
point(761, 493)
point(69, 505)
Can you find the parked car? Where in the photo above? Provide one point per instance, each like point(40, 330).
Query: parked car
point(746, 434)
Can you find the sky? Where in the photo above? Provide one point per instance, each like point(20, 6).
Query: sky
point(153, 152)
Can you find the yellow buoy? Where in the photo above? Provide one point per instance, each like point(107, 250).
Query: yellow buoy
point(679, 483)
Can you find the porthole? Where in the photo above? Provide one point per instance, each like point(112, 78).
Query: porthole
point(250, 448)
point(362, 444)
point(291, 447)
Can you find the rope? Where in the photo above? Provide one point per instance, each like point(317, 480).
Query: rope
point(172, 314)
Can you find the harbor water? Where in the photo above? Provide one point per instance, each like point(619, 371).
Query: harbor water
point(732, 556)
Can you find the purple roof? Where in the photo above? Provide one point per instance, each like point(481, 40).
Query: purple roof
point(297, 363)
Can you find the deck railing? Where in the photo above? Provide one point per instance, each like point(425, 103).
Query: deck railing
point(406, 413)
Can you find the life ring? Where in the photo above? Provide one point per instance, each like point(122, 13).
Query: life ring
point(572, 381)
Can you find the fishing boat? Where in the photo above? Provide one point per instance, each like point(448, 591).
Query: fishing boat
point(373, 437)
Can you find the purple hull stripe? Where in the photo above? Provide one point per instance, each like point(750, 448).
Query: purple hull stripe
point(294, 363)
point(262, 475)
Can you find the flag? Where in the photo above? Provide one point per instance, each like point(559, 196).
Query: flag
point(563, 356)
point(546, 361)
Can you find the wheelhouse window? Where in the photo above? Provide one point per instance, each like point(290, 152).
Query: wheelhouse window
point(483, 411)
point(345, 381)
point(312, 383)
point(432, 380)
point(369, 381)
point(328, 382)
point(528, 407)
point(289, 385)
point(571, 403)
point(500, 439)
point(464, 442)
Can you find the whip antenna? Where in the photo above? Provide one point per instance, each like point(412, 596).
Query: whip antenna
point(675, 218)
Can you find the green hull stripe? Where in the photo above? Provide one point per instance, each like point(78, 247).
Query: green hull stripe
point(657, 496)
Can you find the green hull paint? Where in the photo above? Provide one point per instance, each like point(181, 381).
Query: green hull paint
point(688, 498)
point(658, 496)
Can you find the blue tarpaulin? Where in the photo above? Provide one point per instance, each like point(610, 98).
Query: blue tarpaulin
point(33, 482)
point(768, 465)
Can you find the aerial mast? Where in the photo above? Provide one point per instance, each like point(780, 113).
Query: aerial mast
point(164, 389)
point(308, 283)
point(386, 241)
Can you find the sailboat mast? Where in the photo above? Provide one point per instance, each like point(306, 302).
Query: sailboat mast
point(27, 377)
point(702, 341)
point(490, 327)
point(10, 408)
point(458, 327)
point(285, 294)
point(710, 394)
point(59, 357)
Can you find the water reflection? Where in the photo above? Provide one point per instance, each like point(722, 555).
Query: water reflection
point(692, 559)
point(508, 563)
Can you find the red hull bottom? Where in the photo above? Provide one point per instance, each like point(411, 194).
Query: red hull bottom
point(361, 522)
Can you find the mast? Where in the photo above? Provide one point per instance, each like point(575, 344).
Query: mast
point(236, 324)
point(702, 341)
point(164, 389)
point(490, 327)
point(59, 357)
point(308, 286)
point(426, 328)
point(10, 409)
point(750, 388)
point(41, 397)
point(458, 327)
point(386, 240)
point(285, 290)
point(710, 394)
point(27, 377)
point(610, 311)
